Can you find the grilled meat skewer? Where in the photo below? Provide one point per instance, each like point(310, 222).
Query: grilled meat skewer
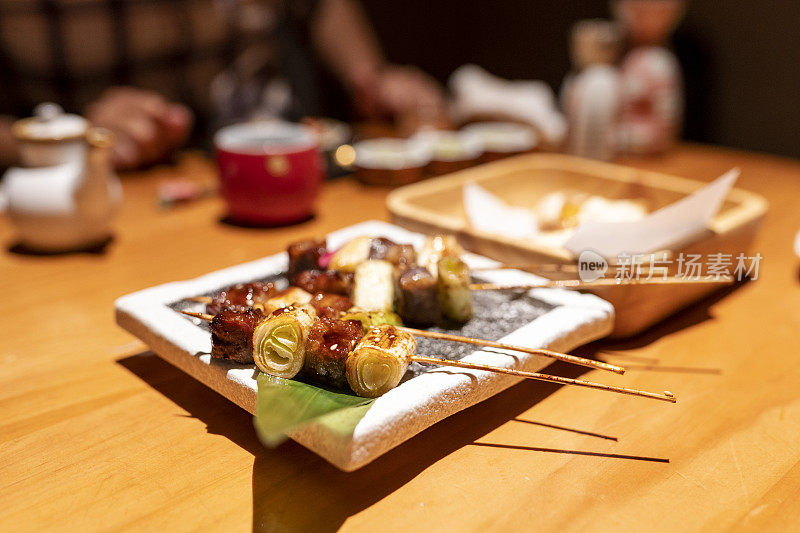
point(376, 363)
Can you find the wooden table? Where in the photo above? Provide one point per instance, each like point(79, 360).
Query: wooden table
point(96, 433)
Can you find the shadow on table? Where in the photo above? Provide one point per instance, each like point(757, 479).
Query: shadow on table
point(696, 313)
point(98, 249)
point(614, 350)
point(220, 415)
point(264, 225)
point(294, 490)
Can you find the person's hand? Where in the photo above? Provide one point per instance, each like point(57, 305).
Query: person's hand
point(147, 126)
point(403, 92)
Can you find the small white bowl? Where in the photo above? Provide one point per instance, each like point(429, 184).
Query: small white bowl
point(503, 137)
point(391, 154)
point(451, 146)
point(387, 161)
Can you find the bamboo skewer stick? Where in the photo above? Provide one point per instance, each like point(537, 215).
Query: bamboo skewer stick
point(480, 342)
point(543, 267)
point(570, 284)
point(524, 349)
point(666, 396)
point(201, 316)
point(552, 267)
point(602, 282)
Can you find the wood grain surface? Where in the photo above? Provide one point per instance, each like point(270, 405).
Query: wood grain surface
point(97, 434)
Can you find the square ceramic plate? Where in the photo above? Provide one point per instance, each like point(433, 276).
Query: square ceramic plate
point(542, 318)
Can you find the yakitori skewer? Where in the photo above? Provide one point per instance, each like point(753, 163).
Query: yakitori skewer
point(201, 316)
point(314, 254)
point(603, 282)
point(369, 360)
point(422, 299)
point(582, 361)
point(539, 267)
point(426, 286)
point(665, 396)
point(553, 268)
point(572, 284)
point(567, 358)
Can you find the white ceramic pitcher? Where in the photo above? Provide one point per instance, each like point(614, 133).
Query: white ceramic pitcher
point(66, 194)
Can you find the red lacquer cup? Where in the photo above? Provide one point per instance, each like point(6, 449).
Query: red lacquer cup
point(270, 172)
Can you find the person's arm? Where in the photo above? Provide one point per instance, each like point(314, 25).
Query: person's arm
point(344, 39)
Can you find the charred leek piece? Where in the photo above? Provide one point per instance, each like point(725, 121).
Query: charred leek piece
point(373, 286)
point(279, 341)
point(436, 248)
point(455, 297)
point(379, 361)
point(291, 296)
point(352, 254)
point(371, 319)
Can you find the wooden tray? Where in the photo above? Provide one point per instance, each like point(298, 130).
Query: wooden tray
point(436, 206)
point(544, 318)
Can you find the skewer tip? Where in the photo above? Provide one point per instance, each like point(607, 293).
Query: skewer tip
point(201, 316)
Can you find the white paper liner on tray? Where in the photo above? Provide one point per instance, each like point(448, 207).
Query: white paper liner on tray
point(416, 404)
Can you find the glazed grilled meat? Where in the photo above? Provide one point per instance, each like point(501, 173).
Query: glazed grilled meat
point(232, 333)
point(242, 296)
point(330, 305)
point(304, 255)
point(330, 281)
point(417, 297)
point(329, 343)
point(388, 250)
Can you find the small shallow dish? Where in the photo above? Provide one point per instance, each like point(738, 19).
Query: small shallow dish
point(543, 318)
point(389, 161)
point(502, 139)
point(450, 150)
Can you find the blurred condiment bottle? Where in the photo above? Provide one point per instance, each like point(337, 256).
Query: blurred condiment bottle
point(591, 92)
point(652, 99)
point(66, 194)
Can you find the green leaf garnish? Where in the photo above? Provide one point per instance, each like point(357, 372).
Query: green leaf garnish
point(284, 405)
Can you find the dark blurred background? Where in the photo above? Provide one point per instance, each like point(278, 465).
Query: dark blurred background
point(741, 59)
